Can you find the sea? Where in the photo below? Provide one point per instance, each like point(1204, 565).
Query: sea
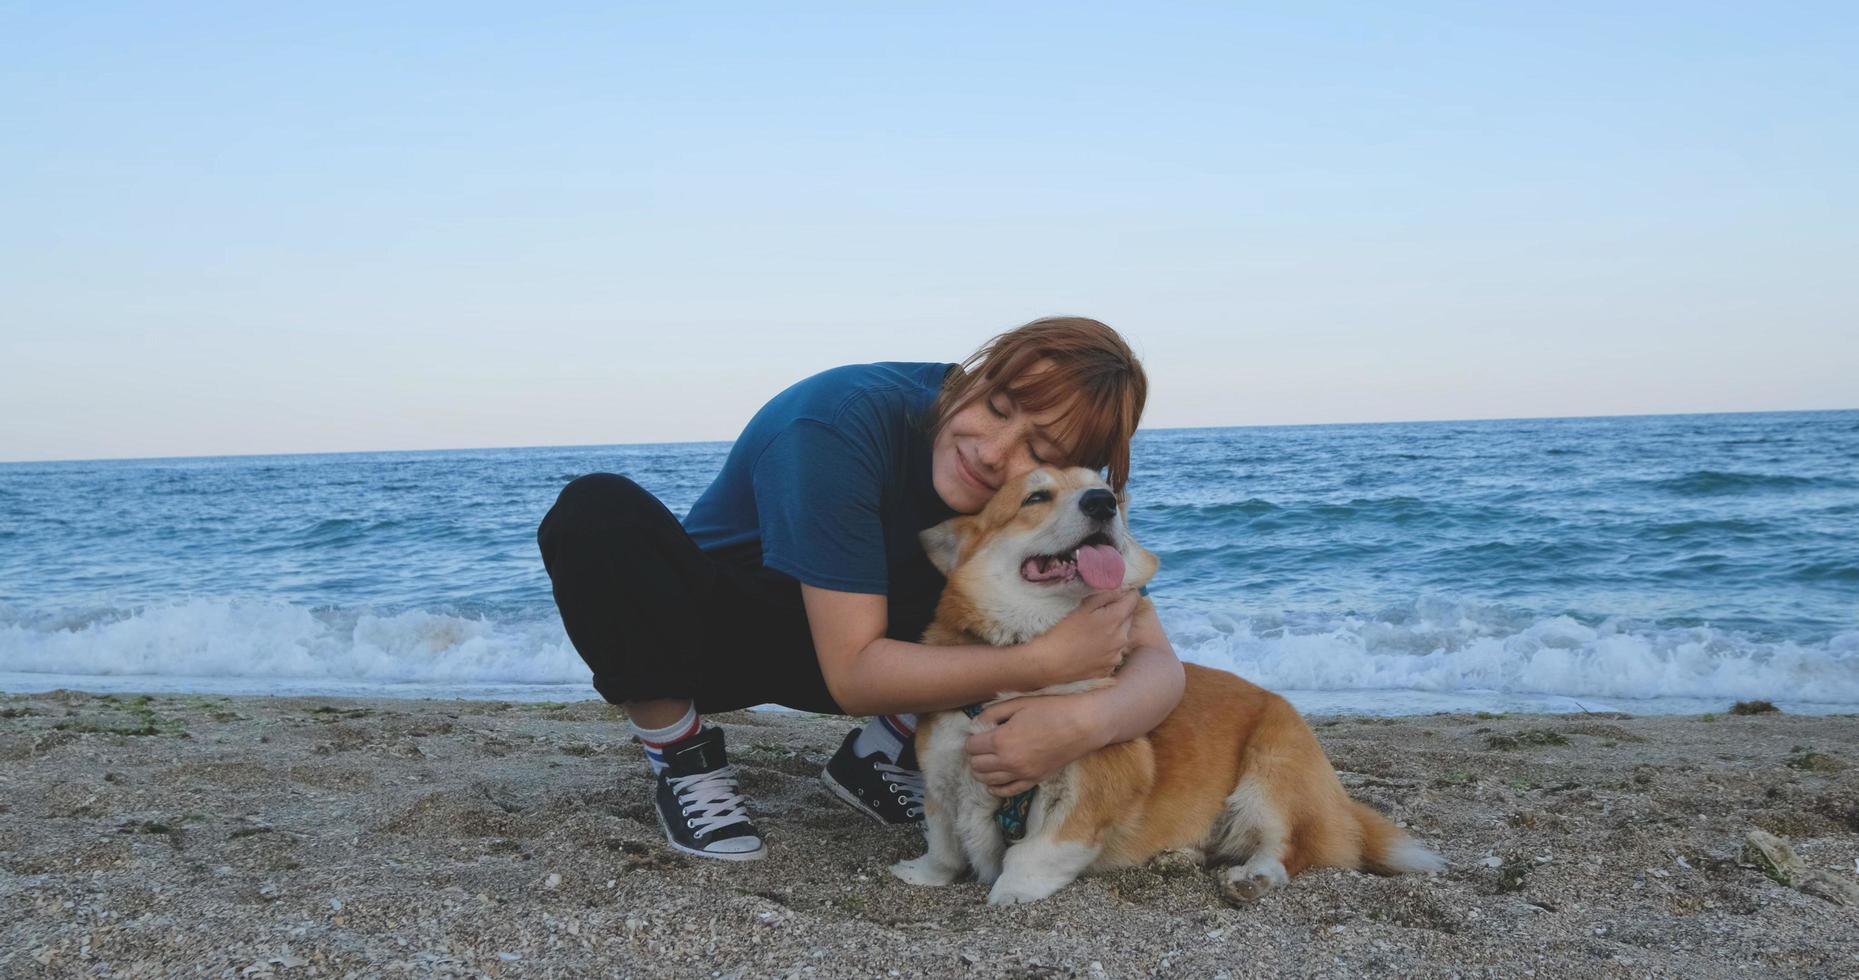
point(1651, 564)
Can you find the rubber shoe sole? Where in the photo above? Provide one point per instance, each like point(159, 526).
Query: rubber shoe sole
point(755, 855)
point(850, 798)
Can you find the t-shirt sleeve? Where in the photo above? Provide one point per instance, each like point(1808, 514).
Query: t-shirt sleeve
point(817, 498)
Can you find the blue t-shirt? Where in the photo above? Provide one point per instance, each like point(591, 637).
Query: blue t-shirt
point(831, 480)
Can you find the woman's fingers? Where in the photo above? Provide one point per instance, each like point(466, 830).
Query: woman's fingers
point(992, 770)
point(1113, 600)
point(998, 777)
point(1122, 605)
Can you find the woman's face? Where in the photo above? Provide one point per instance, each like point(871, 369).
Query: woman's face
point(988, 443)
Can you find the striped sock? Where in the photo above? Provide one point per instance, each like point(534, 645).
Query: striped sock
point(655, 739)
point(887, 735)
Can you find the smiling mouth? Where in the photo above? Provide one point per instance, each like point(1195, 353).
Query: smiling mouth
point(1095, 560)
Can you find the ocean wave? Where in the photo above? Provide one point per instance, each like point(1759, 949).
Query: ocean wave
point(254, 638)
point(330, 530)
point(1203, 516)
point(1259, 515)
point(1711, 483)
point(1446, 646)
point(1430, 645)
point(1681, 531)
point(1824, 571)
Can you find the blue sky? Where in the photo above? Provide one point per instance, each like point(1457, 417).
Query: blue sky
point(243, 228)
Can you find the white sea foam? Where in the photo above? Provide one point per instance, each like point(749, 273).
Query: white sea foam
point(1449, 648)
point(249, 639)
point(1432, 656)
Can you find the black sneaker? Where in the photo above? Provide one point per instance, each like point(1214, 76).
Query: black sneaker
point(872, 785)
point(699, 805)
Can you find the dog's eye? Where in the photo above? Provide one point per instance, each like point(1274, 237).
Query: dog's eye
point(1036, 497)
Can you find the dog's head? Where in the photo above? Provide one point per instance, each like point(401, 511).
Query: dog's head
point(1038, 548)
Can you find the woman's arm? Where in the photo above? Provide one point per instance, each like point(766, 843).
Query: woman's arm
point(1147, 689)
point(868, 673)
point(1047, 733)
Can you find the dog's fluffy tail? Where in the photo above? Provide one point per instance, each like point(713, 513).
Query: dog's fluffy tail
point(1386, 850)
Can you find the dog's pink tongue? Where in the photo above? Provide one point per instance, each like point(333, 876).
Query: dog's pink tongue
point(1101, 566)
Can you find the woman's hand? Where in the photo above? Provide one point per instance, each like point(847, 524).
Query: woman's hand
point(1089, 642)
point(1032, 739)
point(1035, 737)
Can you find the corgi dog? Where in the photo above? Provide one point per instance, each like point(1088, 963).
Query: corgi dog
point(1233, 776)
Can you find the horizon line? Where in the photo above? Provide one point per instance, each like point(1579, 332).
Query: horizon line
point(700, 442)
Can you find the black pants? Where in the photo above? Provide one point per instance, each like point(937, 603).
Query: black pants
point(656, 617)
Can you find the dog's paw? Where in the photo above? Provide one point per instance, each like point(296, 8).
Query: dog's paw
point(1243, 891)
point(1180, 860)
point(1247, 883)
point(923, 871)
point(1014, 889)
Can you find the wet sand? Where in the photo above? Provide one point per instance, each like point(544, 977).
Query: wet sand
point(257, 836)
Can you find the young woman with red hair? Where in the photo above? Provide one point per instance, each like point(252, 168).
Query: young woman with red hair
point(797, 579)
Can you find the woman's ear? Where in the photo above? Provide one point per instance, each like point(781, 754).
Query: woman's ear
point(943, 543)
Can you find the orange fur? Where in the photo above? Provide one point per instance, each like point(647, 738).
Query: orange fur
point(1233, 772)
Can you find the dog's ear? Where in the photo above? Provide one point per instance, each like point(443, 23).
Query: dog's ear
point(1143, 564)
point(1142, 567)
point(943, 543)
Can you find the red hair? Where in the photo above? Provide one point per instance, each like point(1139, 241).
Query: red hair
point(1093, 377)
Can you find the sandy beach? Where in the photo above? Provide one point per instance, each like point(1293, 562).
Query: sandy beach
point(257, 836)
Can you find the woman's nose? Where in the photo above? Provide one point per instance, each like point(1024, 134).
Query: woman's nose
point(997, 448)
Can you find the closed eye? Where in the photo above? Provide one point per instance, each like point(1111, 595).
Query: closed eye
point(1048, 458)
point(1036, 497)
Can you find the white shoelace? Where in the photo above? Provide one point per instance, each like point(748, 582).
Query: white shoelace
point(710, 800)
point(907, 780)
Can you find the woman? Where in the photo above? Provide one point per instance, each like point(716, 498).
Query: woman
point(797, 579)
